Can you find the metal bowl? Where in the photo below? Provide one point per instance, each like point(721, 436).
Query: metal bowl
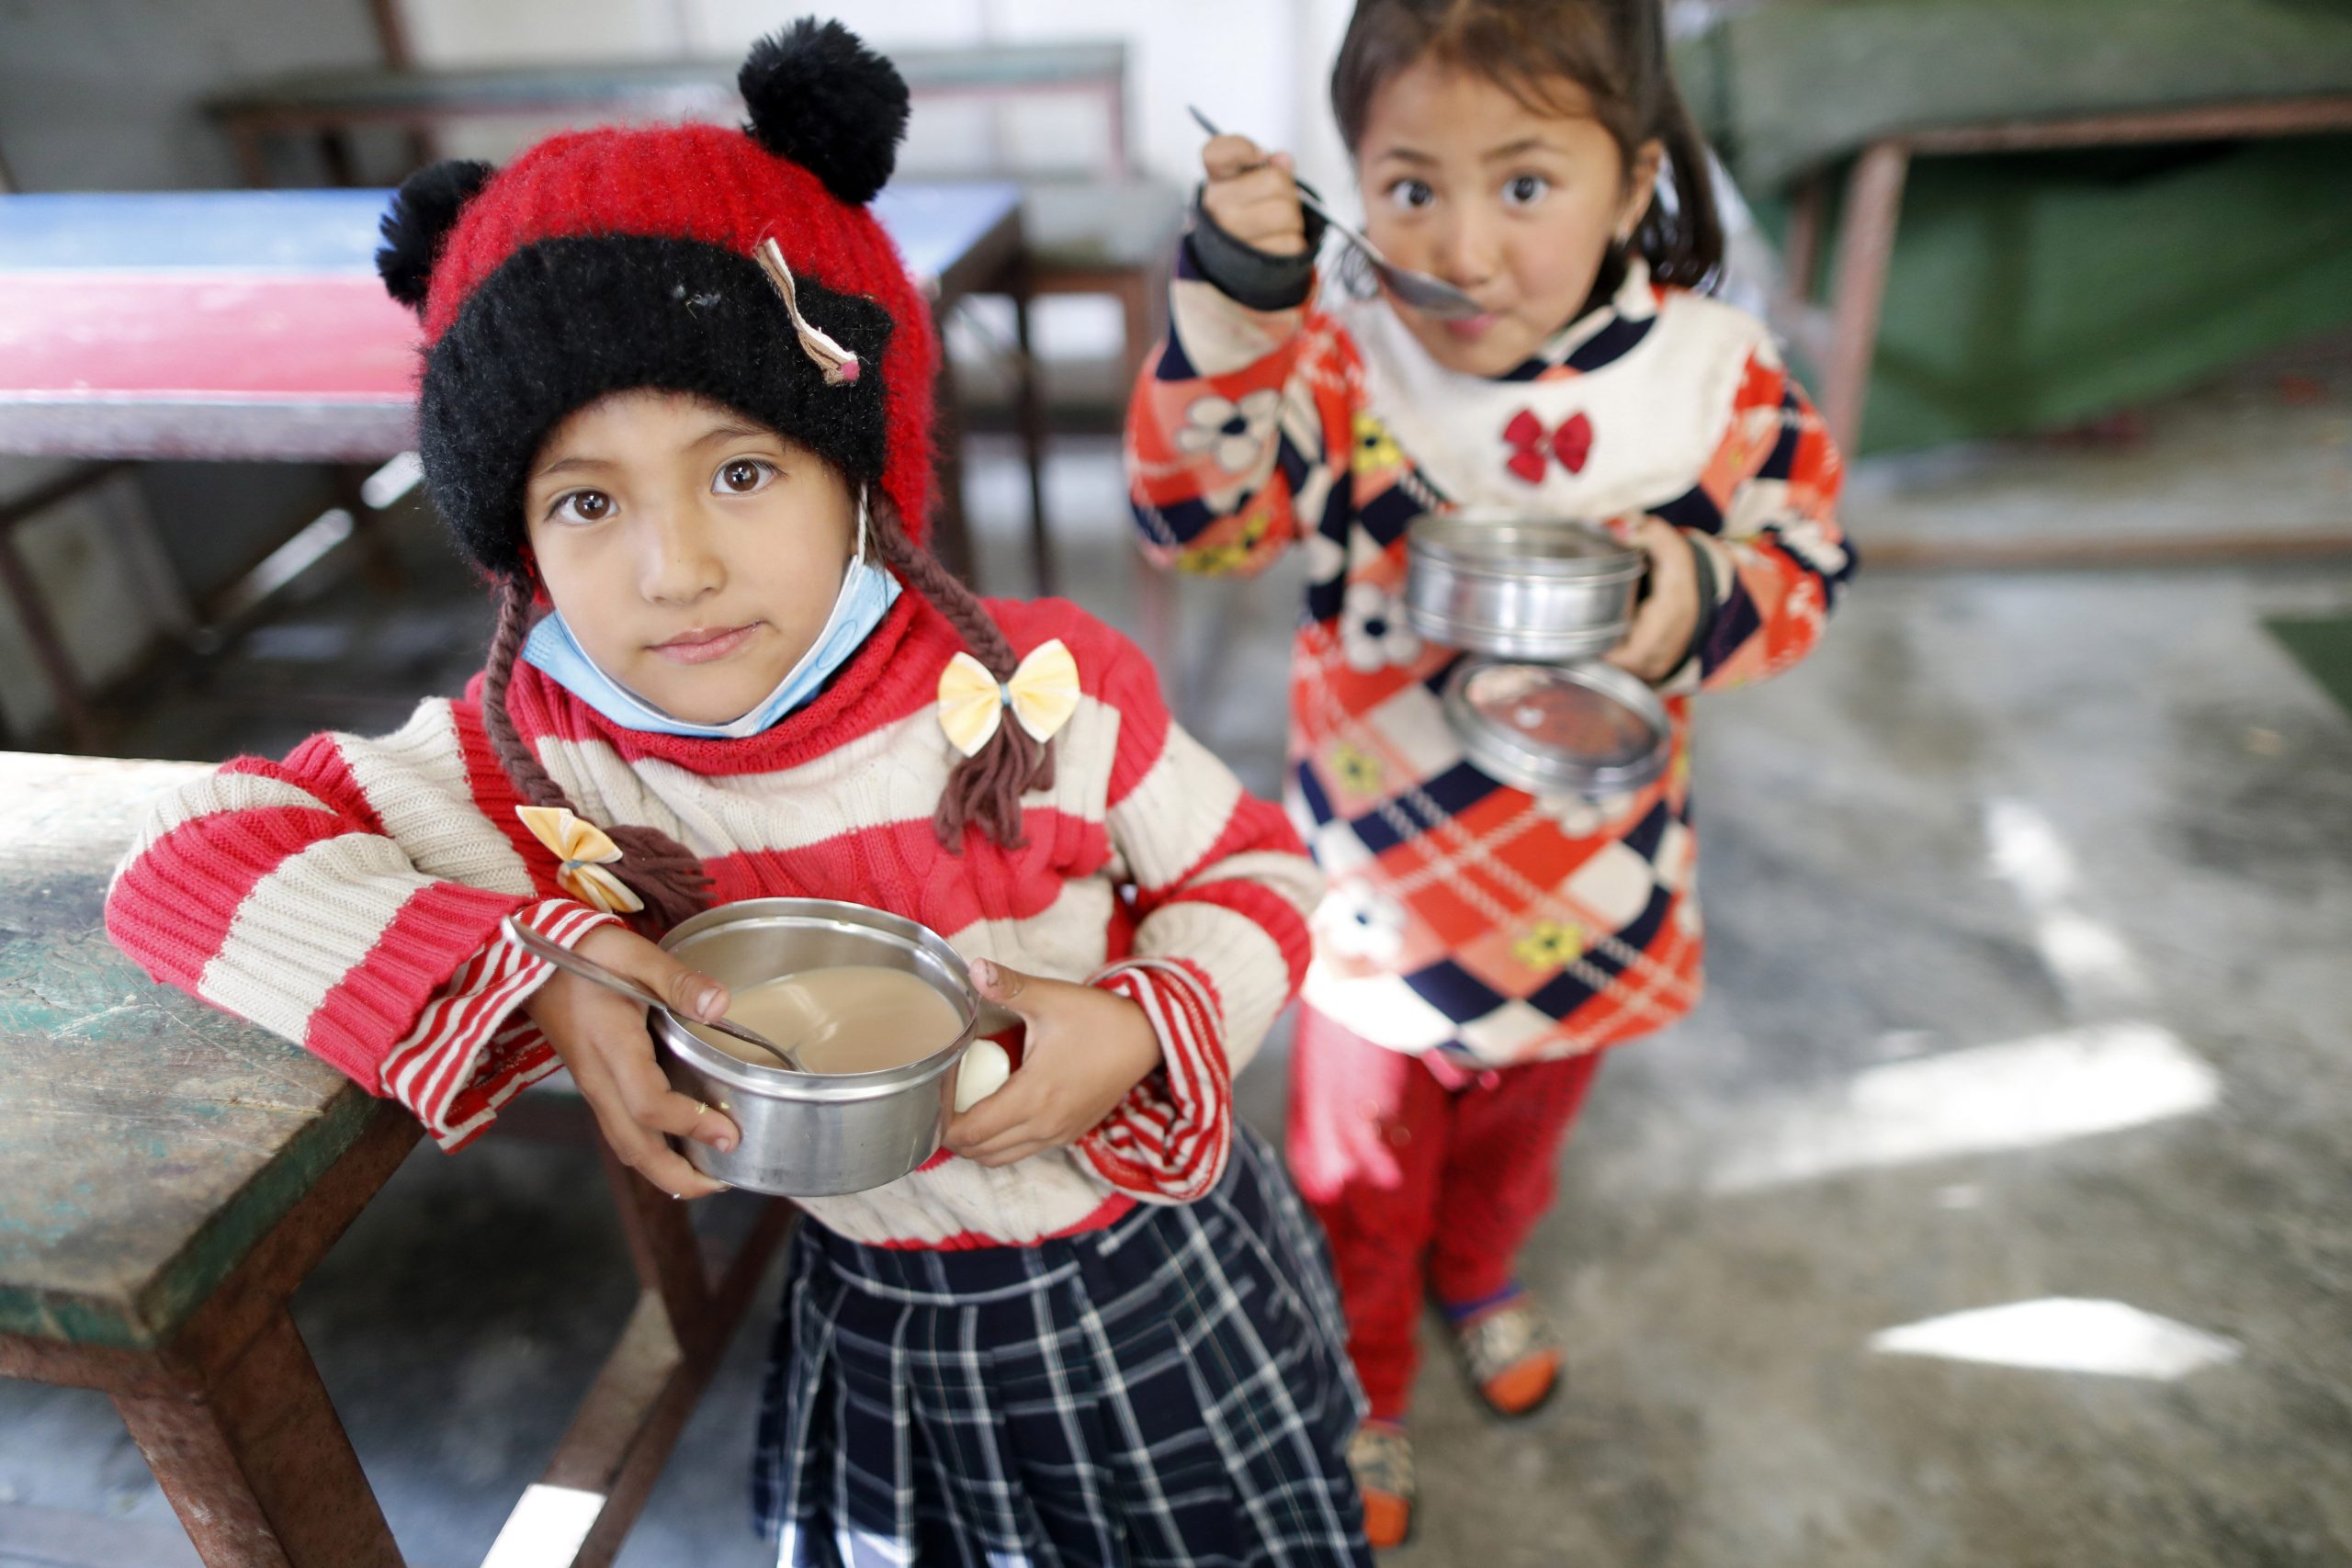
point(815, 1135)
point(1588, 729)
point(1519, 588)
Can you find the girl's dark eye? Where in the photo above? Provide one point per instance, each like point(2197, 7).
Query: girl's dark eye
point(1526, 190)
point(1412, 195)
point(744, 476)
point(584, 506)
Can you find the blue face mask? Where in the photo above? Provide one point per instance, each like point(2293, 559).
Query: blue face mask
point(867, 592)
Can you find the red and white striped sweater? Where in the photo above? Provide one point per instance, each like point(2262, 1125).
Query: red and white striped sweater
point(349, 897)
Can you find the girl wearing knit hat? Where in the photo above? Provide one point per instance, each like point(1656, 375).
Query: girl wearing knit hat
point(675, 403)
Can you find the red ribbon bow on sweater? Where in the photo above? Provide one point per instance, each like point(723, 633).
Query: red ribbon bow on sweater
point(1532, 449)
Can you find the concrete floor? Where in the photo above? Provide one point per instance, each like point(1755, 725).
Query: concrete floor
point(2028, 899)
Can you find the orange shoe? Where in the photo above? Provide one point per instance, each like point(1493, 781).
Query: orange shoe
point(1382, 1458)
point(1510, 1356)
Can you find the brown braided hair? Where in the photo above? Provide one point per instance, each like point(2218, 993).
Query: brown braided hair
point(664, 873)
point(983, 790)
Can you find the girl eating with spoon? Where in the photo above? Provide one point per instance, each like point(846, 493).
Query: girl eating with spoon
point(1482, 945)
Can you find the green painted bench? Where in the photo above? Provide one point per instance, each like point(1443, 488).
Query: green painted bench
point(2027, 297)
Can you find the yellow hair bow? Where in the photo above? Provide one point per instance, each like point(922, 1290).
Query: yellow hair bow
point(1043, 693)
point(585, 851)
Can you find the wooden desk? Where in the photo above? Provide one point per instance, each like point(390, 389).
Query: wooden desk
point(250, 325)
point(168, 1176)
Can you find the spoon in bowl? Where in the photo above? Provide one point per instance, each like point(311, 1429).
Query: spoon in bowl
point(1433, 296)
point(588, 969)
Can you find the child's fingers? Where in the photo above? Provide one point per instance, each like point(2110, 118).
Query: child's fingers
point(1040, 1125)
point(1225, 156)
point(1644, 650)
point(1268, 182)
point(1260, 211)
point(654, 1104)
point(1002, 1144)
point(998, 982)
point(1264, 212)
point(1266, 195)
point(639, 1149)
point(1274, 236)
point(659, 1163)
point(1019, 1134)
point(621, 1056)
point(995, 1157)
point(688, 991)
point(1029, 998)
point(1662, 627)
point(1009, 1115)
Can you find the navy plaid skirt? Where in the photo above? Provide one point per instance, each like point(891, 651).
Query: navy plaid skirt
point(1173, 1389)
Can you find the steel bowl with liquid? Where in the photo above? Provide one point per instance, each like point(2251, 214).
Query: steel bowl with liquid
point(816, 1135)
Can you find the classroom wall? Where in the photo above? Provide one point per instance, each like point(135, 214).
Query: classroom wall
point(1257, 62)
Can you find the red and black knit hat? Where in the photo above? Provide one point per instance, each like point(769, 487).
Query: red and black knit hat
point(741, 265)
point(624, 257)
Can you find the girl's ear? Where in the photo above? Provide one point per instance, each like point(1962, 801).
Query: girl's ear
point(531, 578)
point(1641, 188)
point(423, 212)
point(829, 103)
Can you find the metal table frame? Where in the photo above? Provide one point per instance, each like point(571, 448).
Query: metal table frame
point(1845, 339)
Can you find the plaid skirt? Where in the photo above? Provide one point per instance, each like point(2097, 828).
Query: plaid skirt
point(1172, 1389)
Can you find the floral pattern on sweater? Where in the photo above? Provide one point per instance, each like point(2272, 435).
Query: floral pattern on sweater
point(1469, 916)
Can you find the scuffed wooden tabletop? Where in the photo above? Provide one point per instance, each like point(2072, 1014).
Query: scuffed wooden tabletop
point(147, 1141)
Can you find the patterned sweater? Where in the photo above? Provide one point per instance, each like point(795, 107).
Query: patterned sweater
point(349, 898)
point(1467, 915)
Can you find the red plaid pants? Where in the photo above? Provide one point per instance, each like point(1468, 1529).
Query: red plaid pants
point(1427, 1178)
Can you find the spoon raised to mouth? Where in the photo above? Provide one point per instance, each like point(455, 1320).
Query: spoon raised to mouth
point(1433, 296)
point(588, 969)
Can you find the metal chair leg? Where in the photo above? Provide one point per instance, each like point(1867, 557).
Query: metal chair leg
point(1029, 414)
point(1865, 244)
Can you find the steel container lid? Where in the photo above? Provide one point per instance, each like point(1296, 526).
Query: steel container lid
point(1501, 544)
point(1588, 729)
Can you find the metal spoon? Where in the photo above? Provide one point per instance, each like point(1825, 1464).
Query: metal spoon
point(1419, 289)
point(588, 969)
